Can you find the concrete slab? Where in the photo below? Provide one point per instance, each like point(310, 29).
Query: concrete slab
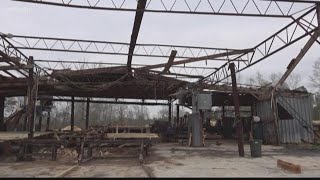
point(175, 160)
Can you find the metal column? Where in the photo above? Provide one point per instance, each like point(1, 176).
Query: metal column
point(48, 121)
point(31, 98)
point(2, 127)
point(178, 115)
point(87, 113)
point(72, 113)
point(170, 114)
point(40, 119)
point(318, 14)
point(239, 126)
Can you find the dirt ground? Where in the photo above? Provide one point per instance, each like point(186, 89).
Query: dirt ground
point(175, 160)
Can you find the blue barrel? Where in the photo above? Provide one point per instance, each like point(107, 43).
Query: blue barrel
point(255, 148)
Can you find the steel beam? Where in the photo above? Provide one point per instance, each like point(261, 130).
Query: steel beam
point(13, 56)
point(190, 60)
point(10, 74)
point(113, 102)
point(263, 50)
point(172, 74)
point(294, 62)
point(238, 121)
point(255, 8)
point(108, 47)
point(135, 31)
point(170, 61)
point(5, 68)
point(318, 13)
point(116, 64)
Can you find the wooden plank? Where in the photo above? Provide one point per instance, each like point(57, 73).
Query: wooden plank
point(289, 166)
point(133, 135)
point(4, 136)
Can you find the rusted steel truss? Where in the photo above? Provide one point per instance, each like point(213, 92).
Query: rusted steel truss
point(15, 59)
point(285, 37)
point(299, 28)
point(111, 48)
point(258, 8)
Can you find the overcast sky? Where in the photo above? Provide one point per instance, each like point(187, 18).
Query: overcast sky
point(195, 30)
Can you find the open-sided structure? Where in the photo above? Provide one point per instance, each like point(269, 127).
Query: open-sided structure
point(25, 75)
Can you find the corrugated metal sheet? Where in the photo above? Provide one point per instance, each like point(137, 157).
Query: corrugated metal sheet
point(293, 130)
point(264, 111)
point(290, 130)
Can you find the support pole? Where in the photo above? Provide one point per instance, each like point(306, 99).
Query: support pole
point(31, 98)
point(170, 114)
point(318, 14)
point(40, 119)
point(275, 116)
point(26, 109)
point(223, 113)
point(87, 113)
point(2, 126)
point(48, 121)
point(239, 126)
point(178, 115)
point(72, 114)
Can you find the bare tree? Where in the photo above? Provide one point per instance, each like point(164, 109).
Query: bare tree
point(294, 81)
point(315, 78)
point(258, 80)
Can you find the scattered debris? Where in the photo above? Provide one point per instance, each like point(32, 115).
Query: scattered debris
point(289, 166)
point(218, 143)
point(68, 128)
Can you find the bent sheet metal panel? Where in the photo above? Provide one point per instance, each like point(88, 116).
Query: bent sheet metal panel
point(291, 130)
point(264, 111)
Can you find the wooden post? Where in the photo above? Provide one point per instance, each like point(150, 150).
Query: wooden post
point(239, 125)
point(87, 113)
point(2, 126)
point(72, 114)
point(48, 121)
point(31, 98)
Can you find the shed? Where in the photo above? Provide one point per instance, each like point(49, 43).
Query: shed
point(294, 118)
